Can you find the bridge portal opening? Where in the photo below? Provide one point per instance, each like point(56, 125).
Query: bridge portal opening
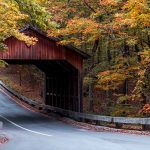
point(61, 83)
point(62, 65)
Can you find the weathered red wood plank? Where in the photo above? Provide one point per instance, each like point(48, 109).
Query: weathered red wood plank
point(44, 49)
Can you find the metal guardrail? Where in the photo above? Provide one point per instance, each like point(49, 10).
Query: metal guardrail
point(1, 125)
point(77, 115)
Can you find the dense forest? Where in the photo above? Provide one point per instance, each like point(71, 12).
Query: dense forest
point(116, 33)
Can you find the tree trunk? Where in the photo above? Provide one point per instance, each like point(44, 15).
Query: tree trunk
point(108, 53)
point(137, 50)
point(20, 78)
point(125, 87)
point(91, 97)
point(126, 50)
point(148, 40)
point(99, 55)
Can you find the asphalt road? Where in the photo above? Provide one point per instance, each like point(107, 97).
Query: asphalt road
point(33, 131)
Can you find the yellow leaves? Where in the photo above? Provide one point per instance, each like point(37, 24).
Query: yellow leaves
point(108, 2)
point(132, 41)
point(133, 68)
point(84, 29)
point(143, 71)
point(146, 109)
point(111, 79)
point(3, 64)
point(83, 25)
point(41, 1)
point(23, 37)
point(138, 13)
point(61, 9)
point(3, 4)
point(145, 55)
point(140, 5)
point(114, 78)
point(11, 20)
point(71, 40)
point(135, 14)
point(105, 73)
point(144, 19)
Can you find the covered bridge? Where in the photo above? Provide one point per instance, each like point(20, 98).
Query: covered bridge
point(62, 65)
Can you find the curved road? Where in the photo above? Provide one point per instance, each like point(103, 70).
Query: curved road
point(33, 131)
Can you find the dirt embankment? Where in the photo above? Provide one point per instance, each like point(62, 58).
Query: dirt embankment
point(20, 78)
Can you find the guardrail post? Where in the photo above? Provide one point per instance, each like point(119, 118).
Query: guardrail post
point(146, 127)
point(118, 125)
point(98, 122)
point(1, 125)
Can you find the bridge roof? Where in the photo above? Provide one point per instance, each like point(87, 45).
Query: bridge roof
point(69, 46)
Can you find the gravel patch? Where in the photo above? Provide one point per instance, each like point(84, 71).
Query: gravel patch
point(3, 139)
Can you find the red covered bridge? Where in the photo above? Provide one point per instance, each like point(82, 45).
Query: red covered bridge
point(62, 65)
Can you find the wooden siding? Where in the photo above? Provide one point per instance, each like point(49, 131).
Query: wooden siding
point(44, 49)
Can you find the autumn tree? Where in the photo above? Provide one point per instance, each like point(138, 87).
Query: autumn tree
point(14, 14)
point(114, 32)
point(11, 20)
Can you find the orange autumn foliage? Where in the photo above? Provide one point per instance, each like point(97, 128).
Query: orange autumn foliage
point(146, 109)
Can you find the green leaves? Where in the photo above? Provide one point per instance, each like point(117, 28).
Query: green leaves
point(11, 20)
point(15, 13)
point(3, 64)
point(38, 15)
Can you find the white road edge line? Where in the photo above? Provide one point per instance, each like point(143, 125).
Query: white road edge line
point(16, 101)
point(35, 132)
point(22, 105)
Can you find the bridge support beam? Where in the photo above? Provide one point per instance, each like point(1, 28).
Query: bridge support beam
point(80, 91)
